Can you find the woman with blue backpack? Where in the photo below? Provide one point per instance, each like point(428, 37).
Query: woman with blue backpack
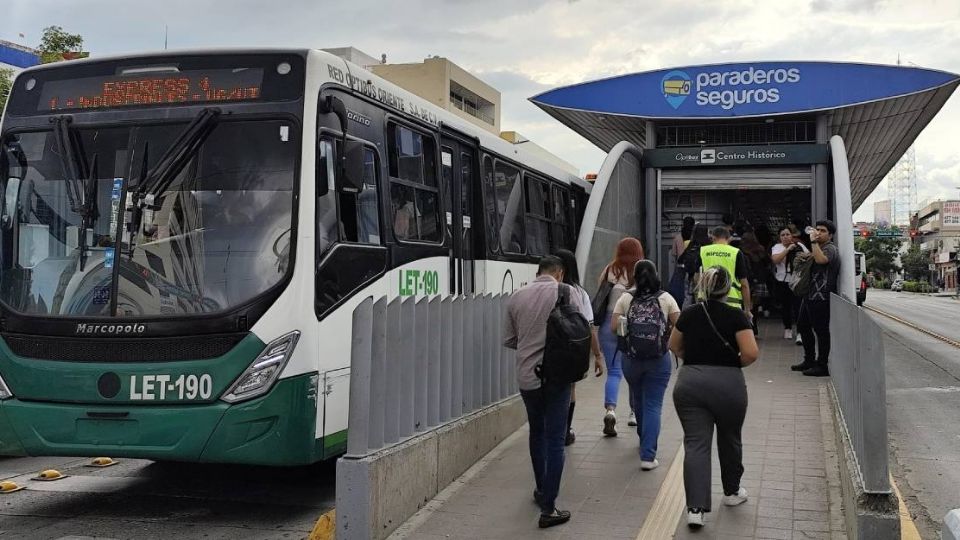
point(643, 319)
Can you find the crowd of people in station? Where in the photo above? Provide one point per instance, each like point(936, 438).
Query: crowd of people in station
point(637, 327)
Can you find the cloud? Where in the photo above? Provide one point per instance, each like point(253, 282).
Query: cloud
point(527, 46)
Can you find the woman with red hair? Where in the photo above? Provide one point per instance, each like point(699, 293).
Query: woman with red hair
point(619, 274)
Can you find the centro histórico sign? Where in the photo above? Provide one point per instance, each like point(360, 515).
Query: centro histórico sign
point(721, 156)
point(744, 89)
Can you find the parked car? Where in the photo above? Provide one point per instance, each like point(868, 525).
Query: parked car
point(897, 285)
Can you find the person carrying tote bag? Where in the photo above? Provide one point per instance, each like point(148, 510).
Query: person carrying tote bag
point(615, 280)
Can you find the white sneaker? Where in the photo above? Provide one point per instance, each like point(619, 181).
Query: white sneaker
point(788, 334)
point(694, 518)
point(649, 465)
point(799, 340)
point(632, 421)
point(737, 498)
point(610, 424)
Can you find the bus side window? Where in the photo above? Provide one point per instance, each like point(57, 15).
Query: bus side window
point(539, 214)
point(561, 218)
point(508, 189)
point(414, 193)
point(490, 206)
point(367, 214)
point(328, 224)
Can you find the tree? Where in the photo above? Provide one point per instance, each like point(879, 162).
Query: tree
point(6, 82)
point(881, 254)
point(916, 263)
point(56, 44)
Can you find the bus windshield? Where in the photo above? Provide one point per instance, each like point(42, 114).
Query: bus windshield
point(213, 237)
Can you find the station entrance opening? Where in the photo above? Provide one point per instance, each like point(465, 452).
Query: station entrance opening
point(763, 211)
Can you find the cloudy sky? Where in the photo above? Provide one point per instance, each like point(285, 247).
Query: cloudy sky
point(524, 47)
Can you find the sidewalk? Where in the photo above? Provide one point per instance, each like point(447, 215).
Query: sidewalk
point(789, 456)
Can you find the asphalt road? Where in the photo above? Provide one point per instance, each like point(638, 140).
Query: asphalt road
point(923, 403)
point(935, 313)
point(145, 500)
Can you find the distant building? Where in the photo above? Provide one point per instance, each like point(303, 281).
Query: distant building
point(883, 213)
point(17, 57)
point(938, 226)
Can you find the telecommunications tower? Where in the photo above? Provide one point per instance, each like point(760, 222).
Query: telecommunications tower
point(902, 189)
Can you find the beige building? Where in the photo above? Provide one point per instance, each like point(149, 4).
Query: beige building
point(449, 86)
point(938, 224)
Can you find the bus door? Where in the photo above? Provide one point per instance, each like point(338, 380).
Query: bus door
point(458, 175)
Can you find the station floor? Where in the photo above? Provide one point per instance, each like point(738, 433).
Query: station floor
point(790, 458)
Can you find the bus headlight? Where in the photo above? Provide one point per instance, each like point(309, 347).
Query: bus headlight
point(5, 392)
point(264, 370)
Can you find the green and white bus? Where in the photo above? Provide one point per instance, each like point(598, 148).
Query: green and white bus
point(184, 237)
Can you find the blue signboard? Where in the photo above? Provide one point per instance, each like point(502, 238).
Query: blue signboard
point(747, 89)
point(17, 57)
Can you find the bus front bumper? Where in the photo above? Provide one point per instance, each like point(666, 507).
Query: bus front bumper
point(278, 428)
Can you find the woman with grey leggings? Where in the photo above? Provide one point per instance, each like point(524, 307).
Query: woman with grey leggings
point(715, 340)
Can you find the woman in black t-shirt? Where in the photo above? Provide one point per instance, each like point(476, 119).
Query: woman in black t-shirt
point(714, 340)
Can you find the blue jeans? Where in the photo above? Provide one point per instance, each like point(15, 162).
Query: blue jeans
point(648, 381)
point(614, 361)
point(547, 408)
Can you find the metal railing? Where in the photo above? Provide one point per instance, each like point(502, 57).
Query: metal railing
point(419, 364)
point(859, 380)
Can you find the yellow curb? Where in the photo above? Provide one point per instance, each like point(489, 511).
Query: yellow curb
point(908, 529)
point(326, 527)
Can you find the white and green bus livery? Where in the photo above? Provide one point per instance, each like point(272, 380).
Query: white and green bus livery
point(184, 237)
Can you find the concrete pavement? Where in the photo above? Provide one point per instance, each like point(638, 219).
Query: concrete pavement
point(142, 500)
point(789, 456)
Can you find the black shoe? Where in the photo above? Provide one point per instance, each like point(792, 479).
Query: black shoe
point(571, 438)
point(802, 366)
point(558, 517)
point(817, 371)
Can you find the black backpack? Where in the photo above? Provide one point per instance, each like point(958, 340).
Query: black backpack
point(566, 353)
point(646, 329)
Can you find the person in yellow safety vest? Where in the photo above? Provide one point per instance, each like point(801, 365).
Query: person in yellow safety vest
point(731, 259)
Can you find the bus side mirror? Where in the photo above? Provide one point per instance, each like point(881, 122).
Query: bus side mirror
point(10, 198)
point(350, 179)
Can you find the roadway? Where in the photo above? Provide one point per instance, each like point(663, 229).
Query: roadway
point(923, 403)
point(145, 500)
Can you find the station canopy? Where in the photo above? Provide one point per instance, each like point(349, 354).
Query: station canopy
point(878, 110)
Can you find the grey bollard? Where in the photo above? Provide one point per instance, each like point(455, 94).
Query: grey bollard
point(951, 525)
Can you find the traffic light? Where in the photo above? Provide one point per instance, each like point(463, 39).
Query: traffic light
point(864, 233)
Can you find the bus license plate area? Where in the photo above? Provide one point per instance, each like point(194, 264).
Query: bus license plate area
point(163, 387)
point(109, 432)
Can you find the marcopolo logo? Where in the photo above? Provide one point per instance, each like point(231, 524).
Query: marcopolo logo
point(110, 329)
point(675, 87)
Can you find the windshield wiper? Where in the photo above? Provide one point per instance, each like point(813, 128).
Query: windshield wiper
point(158, 180)
point(81, 188)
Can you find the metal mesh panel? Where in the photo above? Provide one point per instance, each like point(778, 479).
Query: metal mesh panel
point(122, 350)
point(620, 215)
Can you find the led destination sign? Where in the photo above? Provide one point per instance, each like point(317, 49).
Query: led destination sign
point(184, 87)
